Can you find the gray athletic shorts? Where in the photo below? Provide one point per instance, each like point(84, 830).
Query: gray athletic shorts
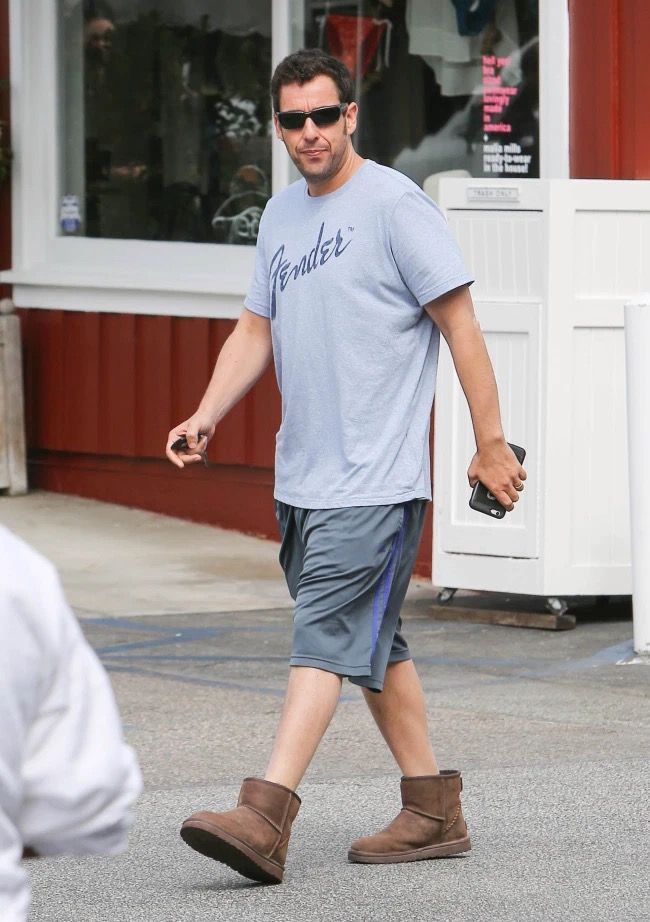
point(348, 571)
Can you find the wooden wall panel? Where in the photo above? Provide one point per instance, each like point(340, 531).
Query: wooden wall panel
point(30, 384)
point(152, 384)
point(78, 389)
point(114, 384)
point(264, 420)
point(423, 563)
point(116, 409)
point(230, 496)
point(610, 89)
point(43, 335)
point(593, 69)
point(190, 367)
point(229, 443)
point(634, 58)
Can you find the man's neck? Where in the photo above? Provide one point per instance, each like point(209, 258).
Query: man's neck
point(348, 168)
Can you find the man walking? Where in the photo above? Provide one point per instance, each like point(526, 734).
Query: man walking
point(356, 275)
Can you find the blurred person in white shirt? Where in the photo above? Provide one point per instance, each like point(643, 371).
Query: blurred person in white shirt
point(68, 781)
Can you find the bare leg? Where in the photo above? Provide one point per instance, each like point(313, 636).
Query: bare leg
point(309, 705)
point(400, 713)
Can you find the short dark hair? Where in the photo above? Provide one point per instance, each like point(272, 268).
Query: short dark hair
point(307, 64)
point(98, 9)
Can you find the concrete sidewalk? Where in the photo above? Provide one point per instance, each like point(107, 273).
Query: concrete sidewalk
point(123, 562)
point(193, 624)
point(126, 562)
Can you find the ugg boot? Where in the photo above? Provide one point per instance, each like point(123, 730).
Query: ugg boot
point(430, 824)
point(254, 837)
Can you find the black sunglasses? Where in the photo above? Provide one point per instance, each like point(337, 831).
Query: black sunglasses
point(324, 115)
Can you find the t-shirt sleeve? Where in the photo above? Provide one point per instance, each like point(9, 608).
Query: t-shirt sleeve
point(258, 299)
point(426, 254)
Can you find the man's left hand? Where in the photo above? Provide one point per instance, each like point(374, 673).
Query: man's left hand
point(497, 468)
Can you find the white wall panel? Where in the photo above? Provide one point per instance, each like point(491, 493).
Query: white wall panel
point(597, 460)
point(611, 253)
point(499, 247)
point(583, 247)
point(512, 335)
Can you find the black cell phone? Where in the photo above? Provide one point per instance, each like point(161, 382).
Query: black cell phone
point(181, 445)
point(482, 500)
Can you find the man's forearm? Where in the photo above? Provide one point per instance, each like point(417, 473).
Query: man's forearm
point(243, 359)
point(494, 463)
point(476, 377)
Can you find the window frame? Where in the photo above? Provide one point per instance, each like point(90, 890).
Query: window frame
point(134, 276)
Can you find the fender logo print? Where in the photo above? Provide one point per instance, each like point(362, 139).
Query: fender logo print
point(283, 271)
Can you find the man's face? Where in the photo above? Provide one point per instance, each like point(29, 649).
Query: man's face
point(318, 153)
point(98, 37)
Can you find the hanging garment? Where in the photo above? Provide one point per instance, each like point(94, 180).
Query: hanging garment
point(397, 96)
point(473, 15)
point(456, 59)
point(356, 40)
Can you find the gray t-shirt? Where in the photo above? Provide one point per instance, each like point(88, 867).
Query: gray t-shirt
point(343, 278)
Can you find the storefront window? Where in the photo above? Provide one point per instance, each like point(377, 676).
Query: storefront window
point(165, 119)
point(441, 84)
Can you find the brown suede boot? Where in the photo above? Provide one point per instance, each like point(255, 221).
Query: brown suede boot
point(254, 837)
point(430, 824)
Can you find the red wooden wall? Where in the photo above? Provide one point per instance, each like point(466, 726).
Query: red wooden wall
point(610, 89)
point(103, 390)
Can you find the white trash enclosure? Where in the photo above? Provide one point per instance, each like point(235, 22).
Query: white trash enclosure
point(555, 261)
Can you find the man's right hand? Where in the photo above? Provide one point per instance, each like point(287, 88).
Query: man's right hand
point(198, 432)
point(243, 359)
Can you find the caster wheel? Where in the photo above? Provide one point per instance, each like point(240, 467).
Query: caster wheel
point(446, 595)
point(557, 606)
